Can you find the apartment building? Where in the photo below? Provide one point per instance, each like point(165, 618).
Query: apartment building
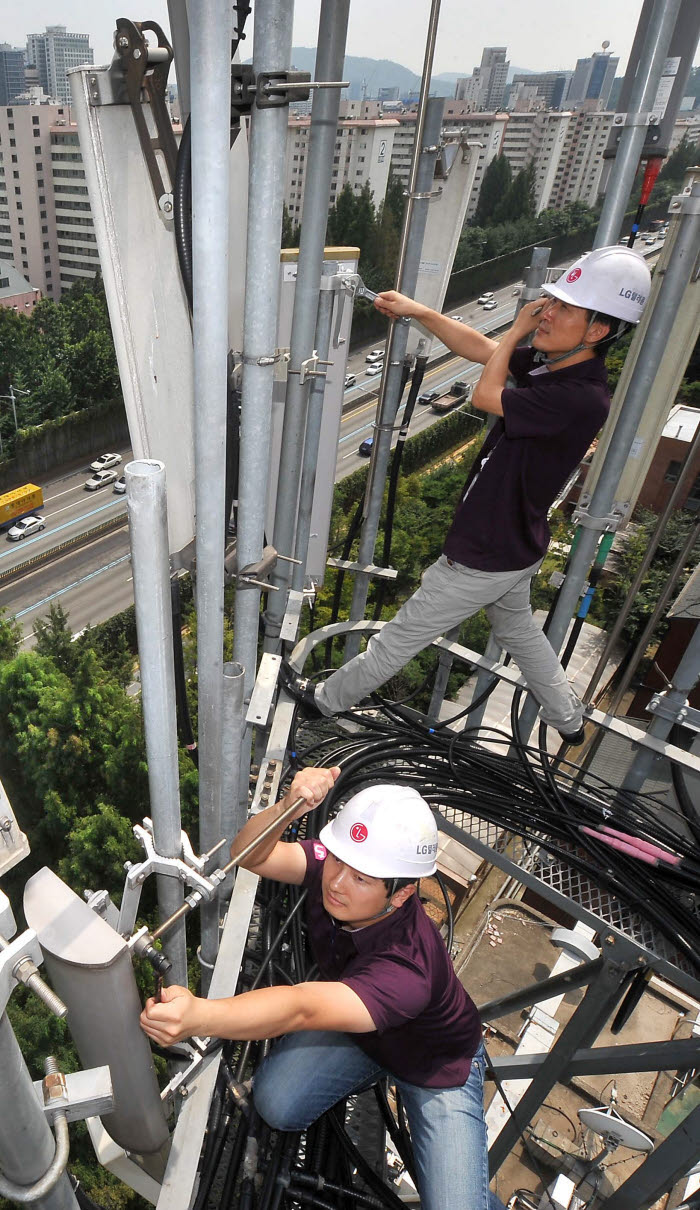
point(486, 86)
point(551, 87)
point(537, 138)
point(53, 53)
point(46, 227)
point(362, 154)
point(579, 170)
point(459, 122)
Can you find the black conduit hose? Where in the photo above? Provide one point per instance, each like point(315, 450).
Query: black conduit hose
point(182, 706)
point(182, 208)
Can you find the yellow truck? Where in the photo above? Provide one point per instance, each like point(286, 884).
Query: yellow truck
point(19, 503)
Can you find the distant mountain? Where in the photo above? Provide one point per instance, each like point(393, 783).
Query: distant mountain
point(369, 75)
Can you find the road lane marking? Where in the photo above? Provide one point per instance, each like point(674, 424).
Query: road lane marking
point(76, 584)
point(66, 525)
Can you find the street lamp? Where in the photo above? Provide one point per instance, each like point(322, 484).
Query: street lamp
point(11, 397)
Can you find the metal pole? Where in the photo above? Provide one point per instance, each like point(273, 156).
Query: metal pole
point(148, 533)
point(633, 134)
point(322, 341)
point(442, 673)
point(272, 50)
point(534, 278)
point(614, 634)
point(14, 408)
point(233, 812)
point(674, 699)
point(679, 270)
point(484, 678)
point(330, 55)
point(27, 1144)
point(210, 81)
point(428, 124)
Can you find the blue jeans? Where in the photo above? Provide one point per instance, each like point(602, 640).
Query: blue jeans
point(308, 1072)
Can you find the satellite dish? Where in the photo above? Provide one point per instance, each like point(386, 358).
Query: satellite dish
point(606, 45)
point(614, 1130)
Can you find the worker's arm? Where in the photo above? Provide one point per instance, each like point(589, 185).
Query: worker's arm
point(460, 339)
point(266, 1012)
point(275, 858)
point(489, 388)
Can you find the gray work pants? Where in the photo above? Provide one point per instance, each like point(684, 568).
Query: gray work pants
point(450, 593)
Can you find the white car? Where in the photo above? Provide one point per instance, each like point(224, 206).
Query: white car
point(100, 479)
point(104, 461)
point(457, 317)
point(120, 486)
point(485, 297)
point(490, 305)
point(23, 527)
point(375, 355)
point(350, 381)
point(376, 367)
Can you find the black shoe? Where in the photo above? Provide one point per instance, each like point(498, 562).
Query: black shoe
point(300, 689)
point(574, 738)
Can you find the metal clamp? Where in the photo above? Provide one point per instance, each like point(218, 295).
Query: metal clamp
point(19, 960)
point(273, 88)
point(265, 359)
point(308, 368)
point(635, 119)
point(145, 71)
point(609, 524)
point(683, 713)
point(685, 203)
point(187, 869)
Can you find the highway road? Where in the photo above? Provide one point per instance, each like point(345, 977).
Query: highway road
point(94, 582)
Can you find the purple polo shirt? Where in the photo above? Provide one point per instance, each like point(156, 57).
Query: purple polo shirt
point(428, 1028)
point(549, 419)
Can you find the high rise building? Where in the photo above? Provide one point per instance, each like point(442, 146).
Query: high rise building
point(12, 75)
point(593, 79)
point(53, 53)
point(46, 226)
point(485, 87)
point(363, 150)
point(552, 86)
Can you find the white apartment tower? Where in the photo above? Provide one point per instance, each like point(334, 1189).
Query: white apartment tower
point(46, 226)
point(362, 153)
point(53, 53)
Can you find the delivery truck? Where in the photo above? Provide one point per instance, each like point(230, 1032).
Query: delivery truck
point(19, 503)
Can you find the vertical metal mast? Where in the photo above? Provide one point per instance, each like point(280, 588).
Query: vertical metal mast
point(330, 55)
point(148, 534)
point(415, 215)
point(642, 97)
point(210, 37)
point(268, 139)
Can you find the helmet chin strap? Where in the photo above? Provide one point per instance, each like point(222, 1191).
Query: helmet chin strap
point(552, 361)
point(389, 906)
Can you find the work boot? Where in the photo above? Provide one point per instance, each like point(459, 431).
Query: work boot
point(574, 738)
point(301, 689)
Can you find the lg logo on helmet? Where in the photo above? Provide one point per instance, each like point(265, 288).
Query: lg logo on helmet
point(358, 832)
point(426, 849)
point(573, 275)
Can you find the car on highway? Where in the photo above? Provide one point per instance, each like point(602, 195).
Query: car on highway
point(100, 479)
point(651, 239)
point(105, 461)
point(485, 297)
point(490, 305)
point(24, 527)
point(120, 486)
point(375, 355)
point(460, 392)
point(457, 317)
point(375, 368)
point(429, 397)
point(366, 447)
point(350, 381)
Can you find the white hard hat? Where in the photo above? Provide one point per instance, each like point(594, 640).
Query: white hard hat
point(385, 831)
point(614, 281)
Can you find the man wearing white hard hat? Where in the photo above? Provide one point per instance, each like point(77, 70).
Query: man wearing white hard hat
point(387, 1001)
point(499, 535)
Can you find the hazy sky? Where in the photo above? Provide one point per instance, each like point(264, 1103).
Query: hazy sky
point(540, 36)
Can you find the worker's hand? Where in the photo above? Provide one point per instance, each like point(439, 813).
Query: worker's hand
point(312, 785)
point(528, 317)
point(175, 1016)
point(395, 305)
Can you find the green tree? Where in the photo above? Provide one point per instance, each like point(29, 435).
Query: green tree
point(10, 637)
point(341, 217)
point(92, 368)
point(291, 231)
point(685, 155)
point(519, 201)
point(55, 640)
point(494, 187)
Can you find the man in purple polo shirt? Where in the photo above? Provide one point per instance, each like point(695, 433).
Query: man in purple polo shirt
point(499, 535)
point(387, 1000)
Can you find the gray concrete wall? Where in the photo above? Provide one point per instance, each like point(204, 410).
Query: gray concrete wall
point(57, 444)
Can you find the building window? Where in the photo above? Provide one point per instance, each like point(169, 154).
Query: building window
point(15, 175)
point(12, 141)
point(14, 159)
point(42, 214)
point(47, 260)
point(44, 230)
point(37, 151)
point(47, 274)
point(40, 184)
point(673, 470)
point(36, 134)
point(35, 121)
